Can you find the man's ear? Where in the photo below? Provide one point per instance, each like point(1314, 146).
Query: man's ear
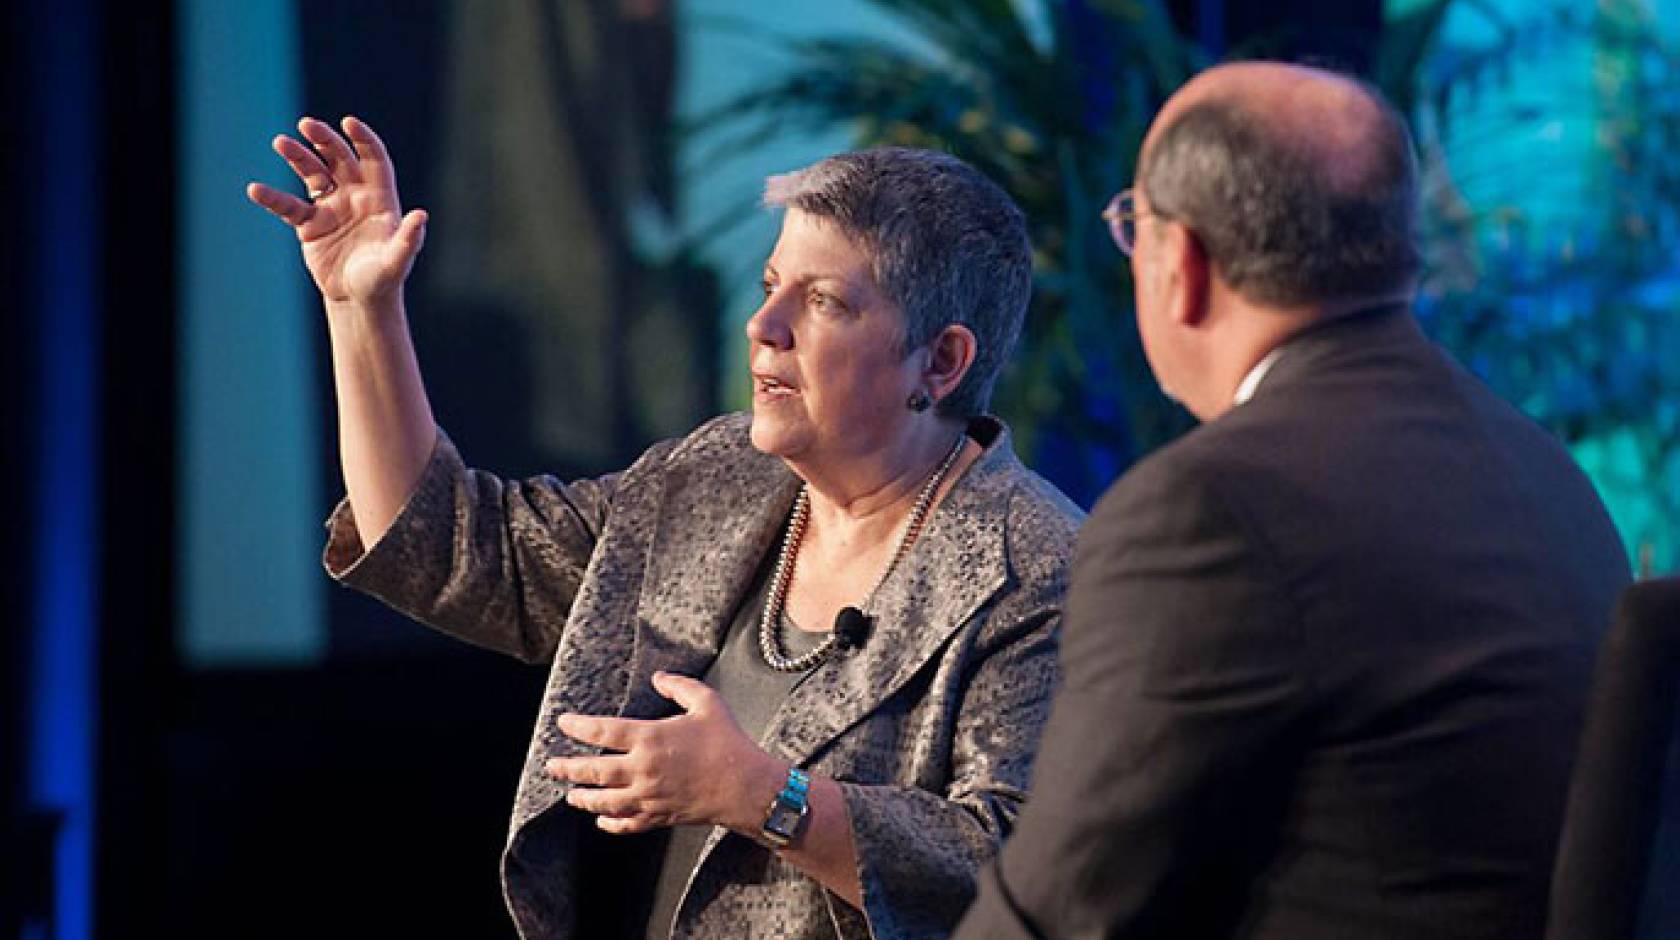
point(1189, 275)
point(949, 356)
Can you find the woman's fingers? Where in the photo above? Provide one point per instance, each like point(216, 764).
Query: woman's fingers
point(411, 233)
point(289, 208)
point(332, 160)
point(614, 734)
point(340, 160)
point(607, 802)
point(305, 163)
point(624, 825)
point(611, 770)
point(690, 694)
point(370, 149)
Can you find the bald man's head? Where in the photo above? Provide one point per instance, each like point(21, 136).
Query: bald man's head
point(1300, 183)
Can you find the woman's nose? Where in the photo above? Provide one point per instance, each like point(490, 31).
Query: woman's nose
point(769, 324)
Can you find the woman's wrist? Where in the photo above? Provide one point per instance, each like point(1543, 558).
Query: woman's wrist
point(369, 335)
point(378, 313)
point(759, 786)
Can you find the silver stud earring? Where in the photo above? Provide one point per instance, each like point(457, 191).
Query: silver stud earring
point(920, 401)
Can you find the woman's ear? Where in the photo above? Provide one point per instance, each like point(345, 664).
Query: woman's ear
point(950, 354)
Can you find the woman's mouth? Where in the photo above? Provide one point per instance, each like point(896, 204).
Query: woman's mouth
point(770, 388)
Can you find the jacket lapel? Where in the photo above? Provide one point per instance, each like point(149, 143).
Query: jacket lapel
point(701, 561)
point(952, 571)
point(954, 568)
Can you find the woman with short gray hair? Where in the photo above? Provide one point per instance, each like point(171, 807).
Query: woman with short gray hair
point(799, 659)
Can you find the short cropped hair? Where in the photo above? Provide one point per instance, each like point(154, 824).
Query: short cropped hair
point(945, 244)
point(1276, 225)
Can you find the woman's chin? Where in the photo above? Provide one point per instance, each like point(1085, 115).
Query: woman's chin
point(773, 434)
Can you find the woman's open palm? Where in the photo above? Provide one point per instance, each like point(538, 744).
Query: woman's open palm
point(356, 241)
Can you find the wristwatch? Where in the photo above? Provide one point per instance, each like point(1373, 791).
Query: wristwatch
point(786, 816)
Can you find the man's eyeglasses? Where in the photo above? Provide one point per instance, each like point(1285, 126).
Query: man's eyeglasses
point(1122, 215)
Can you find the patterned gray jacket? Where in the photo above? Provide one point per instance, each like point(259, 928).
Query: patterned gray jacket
point(930, 728)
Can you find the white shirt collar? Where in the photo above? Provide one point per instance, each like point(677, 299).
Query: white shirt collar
point(1251, 382)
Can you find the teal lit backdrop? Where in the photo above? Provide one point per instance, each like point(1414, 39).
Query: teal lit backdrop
point(250, 442)
point(1548, 132)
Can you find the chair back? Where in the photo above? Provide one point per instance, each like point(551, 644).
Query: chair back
point(1615, 794)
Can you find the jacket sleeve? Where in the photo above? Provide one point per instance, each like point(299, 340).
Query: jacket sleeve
point(1169, 745)
point(919, 852)
point(490, 561)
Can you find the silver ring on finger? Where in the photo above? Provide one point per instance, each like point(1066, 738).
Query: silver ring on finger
point(327, 190)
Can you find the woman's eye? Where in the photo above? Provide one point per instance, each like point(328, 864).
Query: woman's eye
point(822, 301)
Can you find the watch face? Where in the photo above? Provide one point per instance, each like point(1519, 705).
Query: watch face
point(783, 820)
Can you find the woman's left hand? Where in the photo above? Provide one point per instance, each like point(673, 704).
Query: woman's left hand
point(697, 767)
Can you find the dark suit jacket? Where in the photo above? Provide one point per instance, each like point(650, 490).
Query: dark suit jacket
point(1325, 660)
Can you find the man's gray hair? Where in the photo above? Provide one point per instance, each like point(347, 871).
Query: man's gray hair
point(946, 244)
point(1286, 219)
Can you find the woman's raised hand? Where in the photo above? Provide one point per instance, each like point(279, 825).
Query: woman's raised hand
point(356, 241)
